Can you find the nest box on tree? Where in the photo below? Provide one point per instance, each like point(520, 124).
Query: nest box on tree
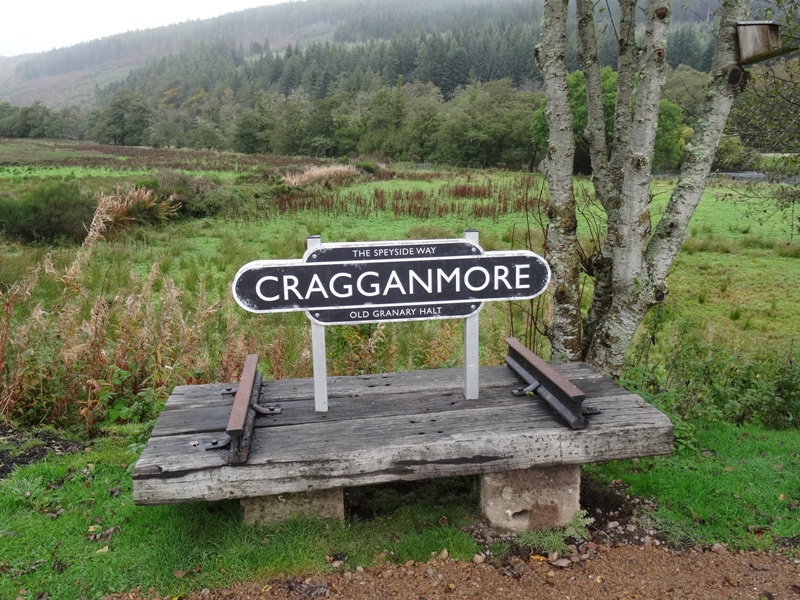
point(759, 41)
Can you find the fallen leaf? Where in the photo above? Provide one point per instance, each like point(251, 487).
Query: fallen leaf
point(103, 536)
point(179, 574)
point(60, 566)
point(729, 469)
point(538, 557)
point(103, 550)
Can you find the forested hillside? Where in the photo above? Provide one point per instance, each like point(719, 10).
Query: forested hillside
point(443, 80)
point(312, 20)
point(339, 21)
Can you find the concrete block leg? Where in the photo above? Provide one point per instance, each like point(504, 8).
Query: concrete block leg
point(536, 498)
point(327, 504)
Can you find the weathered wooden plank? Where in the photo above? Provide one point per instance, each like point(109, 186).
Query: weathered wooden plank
point(386, 427)
point(461, 442)
point(186, 396)
point(195, 396)
point(281, 466)
point(191, 420)
point(302, 411)
point(595, 388)
point(576, 370)
point(356, 397)
point(388, 383)
point(191, 396)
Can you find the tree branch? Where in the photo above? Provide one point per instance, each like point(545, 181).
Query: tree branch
point(723, 88)
point(626, 69)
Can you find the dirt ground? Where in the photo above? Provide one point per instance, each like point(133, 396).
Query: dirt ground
point(623, 560)
point(622, 572)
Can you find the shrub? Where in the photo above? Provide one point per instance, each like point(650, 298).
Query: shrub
point(733, 155)
point(50, 213)
point(268, 175)
point(338, 173)
point(80, 361)
point(368, 167)
point(700, 380)
point(138, 205)
point(192, 195)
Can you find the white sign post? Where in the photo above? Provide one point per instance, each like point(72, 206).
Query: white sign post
point(373, 282)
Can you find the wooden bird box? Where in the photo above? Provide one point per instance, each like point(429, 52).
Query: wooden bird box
point(758, 41)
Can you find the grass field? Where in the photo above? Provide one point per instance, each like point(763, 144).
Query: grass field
point(113, 326)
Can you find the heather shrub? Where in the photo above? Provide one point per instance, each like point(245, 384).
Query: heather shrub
point(192, 195)
point(50, 213)
point(368, 167)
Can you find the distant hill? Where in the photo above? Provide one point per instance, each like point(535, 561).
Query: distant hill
point(68, 76)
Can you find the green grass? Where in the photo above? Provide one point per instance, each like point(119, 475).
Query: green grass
point(735, 283)
point(23, 173)
point(70, 529)
point(747, 298)
point(740, 486)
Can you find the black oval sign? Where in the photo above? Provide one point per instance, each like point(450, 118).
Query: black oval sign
point(276, 286)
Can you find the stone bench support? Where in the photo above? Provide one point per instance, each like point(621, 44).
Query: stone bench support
point(325, 504)
point(535, 498)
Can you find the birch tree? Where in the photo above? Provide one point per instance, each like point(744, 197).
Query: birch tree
point(630, 269)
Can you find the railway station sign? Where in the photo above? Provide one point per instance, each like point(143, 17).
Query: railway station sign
point(346, 283)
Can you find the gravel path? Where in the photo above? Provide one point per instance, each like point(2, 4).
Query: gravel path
point(620, 573)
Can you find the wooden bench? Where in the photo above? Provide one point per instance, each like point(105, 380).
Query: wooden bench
point(397, 426)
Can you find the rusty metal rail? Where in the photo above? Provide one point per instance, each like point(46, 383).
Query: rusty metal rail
point(243, 415)
point(564, 398)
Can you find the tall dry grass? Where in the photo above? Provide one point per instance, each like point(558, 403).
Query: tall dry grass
point(315, 173)
point(82, 360)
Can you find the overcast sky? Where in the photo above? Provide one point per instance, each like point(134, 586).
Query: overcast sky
point(40, 25)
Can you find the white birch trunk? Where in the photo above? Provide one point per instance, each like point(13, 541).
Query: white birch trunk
point(565, 327)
